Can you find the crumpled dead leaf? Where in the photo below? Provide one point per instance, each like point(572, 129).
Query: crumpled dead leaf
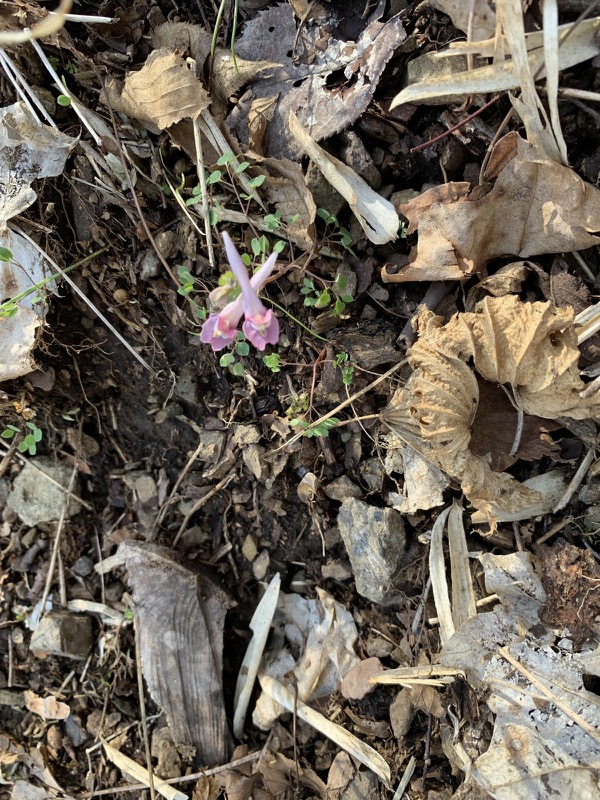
point(376, 215)
point(545, 740)
point(28, 150)
point(322, 633)
point(307, 61)
point(46, 707)
point(536, 206)
point(529, 347)
point(163, 92)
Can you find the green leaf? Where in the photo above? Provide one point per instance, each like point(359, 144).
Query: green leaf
point(255, 245)
point(272, 362)
point(273, 221)
point(246, 259)
point(8, 434)
point(323, 299)
point(347, 375)
point(341, 282)
point(242, 348)
point(339, 307)
point(214, 177)
point(279, 246)
point(238, 368)
point(226, 158)
point(226, 359)
point(5, 254)
point(64, 101)
point(347, 298)
point(256, 182)
point(242, 167)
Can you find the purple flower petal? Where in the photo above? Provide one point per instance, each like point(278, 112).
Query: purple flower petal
point(262, 329)
point(220, 329)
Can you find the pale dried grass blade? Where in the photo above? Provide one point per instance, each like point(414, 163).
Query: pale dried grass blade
point(52, 24)
point(260, 625)
point(411, 675)
point(439, 580)
point(551, 51)
point(581, 45)
point(377, 216)
point(347, 741)
point(528, 106)
point(463, 597)
point(130, 767)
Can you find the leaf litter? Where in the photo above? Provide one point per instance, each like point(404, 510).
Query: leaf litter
point(500, 358)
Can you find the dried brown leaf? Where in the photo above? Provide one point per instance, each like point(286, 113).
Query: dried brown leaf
point(549, 207)
point(484, 18)
point(163, 92)
point(531, 347)
point(307, 61)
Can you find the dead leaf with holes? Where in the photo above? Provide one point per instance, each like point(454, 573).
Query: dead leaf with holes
point(529, 348)
point(327, 81)
point(535, 206)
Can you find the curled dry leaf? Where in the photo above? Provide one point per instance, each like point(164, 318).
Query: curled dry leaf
point(376, 215)
point(163, 92)
point(46, 707)
point(529, 347)
point(460, 229)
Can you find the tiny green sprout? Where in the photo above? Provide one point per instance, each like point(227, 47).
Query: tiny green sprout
point(272, 362)
point(293, 219)
point(9, 432)
point(238, 368)
point(128, 614)
point(279, 246)
point(256, 182)
point(321, 429)
point(30, 441)
point(227, 157)
point(242, 348)
point(71, 414)
point(241, 167)
point(63, 100)
point(8, 310)
point(341, 362)
point(5, 254)
point(260, 246)
point(196, 196)
point(186, 280)
point(273, 221)
point(214, 177)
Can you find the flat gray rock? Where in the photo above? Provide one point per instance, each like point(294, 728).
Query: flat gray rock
point(35, 498)
point(375, 540)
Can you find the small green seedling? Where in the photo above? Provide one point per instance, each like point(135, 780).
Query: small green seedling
point(272, 362)
point(186, 281)
point(30, 441)
point(321, 298)
point(241, 349)
point(321, 429)
point(340, 235)
point(341, 361)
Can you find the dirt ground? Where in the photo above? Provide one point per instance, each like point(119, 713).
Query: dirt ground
point(195, 457)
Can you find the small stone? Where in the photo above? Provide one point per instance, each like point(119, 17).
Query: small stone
point(591, 518)
point(121, 296)
point(249, 548)
point(62, 633)
point(145, 488)
point(261, 565)
point(149, 265)
point(375, 539)
point(35, 499)
point(337, 570)
point(83, 567)
point(246, 434)
point(341, 488)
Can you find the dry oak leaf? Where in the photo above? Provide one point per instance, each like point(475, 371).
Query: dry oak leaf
point(535, 206)
point(531, 347)
point(163, 92)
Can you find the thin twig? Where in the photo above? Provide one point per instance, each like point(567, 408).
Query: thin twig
point(57, 538)
point(573, 715)
point(140, 683)
point(575, 481)
point(204, 192)
point(200, 502)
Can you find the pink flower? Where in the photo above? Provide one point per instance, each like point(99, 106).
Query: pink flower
point(261, 326)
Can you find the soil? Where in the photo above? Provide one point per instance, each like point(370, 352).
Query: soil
point(116, 422)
